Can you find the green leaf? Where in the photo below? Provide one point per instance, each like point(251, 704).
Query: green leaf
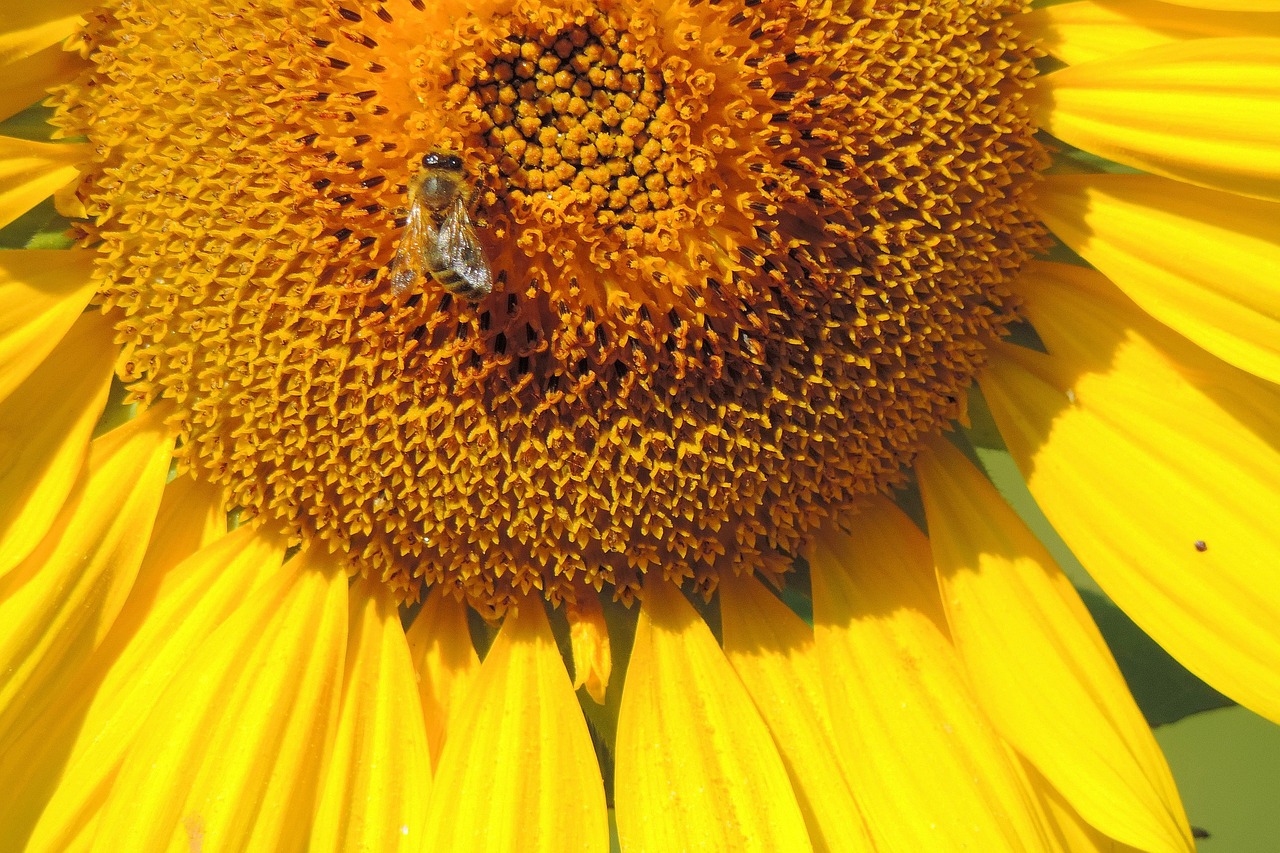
point(41, 227)
point(32, 123)
point(1227, 763)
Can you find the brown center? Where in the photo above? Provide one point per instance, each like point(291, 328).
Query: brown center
point(745, 257)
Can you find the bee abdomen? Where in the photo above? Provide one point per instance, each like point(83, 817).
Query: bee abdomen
point(442, 272)
point(448, 278)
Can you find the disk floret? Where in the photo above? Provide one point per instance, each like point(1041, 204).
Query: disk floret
point(744, 258)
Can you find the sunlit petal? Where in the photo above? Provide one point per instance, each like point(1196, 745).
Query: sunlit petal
point(773, 652)
point(24, 81)
point(1085, 30)
point(160, 631)
point(1070, 831)
point(1200, 261)
point(1232, 5)
point(41, 458)
point(1158, 464)
point(589, 641)
point(924, 762)
point(30, 27)
point(30, 172)
point(1038, 663)
point(376, 788)
point(41, 295)
point(695, 764)
point(231, 755)
point(41, 741)
point(59, 603)
point(191, 516)
point(519, 772)
point(446, 662)
point(1199, 111)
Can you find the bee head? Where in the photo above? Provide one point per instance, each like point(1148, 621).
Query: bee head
point(440, 160)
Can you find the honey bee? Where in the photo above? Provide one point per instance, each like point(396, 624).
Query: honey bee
point(439, 239)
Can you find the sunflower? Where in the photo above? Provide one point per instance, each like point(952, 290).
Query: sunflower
point(299, 553)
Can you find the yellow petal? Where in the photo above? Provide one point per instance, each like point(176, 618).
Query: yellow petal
point(924, 762)
point(695, 764)
point(1158, 464)
point(1200, 261)
point(58, 604)
point(45, 426)
point(1070, 830)
point(25, 80)
point(1201, 111)
point(30, 27)
point(1232, 5)
point(376, 788)
point(33, 756)
point(231, 756)
point(446, 661)
point(30, 172)
point(772, 650)
point(41, 295)
point(518, 772)
point(1085, 30)
point(191, 516)
point(166, 620)
point(1038, 664)
point(589, 640)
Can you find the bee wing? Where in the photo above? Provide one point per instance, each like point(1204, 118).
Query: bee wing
point(459, 247)
point(410, 261)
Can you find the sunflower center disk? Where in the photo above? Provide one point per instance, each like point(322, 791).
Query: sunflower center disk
point(577, 115)
point(586, 121)
point(745, 257)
